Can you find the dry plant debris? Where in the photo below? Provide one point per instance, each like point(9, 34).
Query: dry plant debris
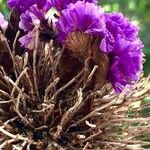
point(40, 110)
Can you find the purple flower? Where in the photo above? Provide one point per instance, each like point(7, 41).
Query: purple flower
point(123, 47)
point(3, 22)
point(31, 18)
point(81, 16)
point(23, 5)
point(125, 63)
point(118, 26)
point(121, 27)
point(28, 21)
point(62, 4)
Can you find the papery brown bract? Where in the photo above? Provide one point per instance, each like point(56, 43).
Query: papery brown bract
point(85, 48)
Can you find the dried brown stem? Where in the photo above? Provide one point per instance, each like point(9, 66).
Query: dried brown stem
point(17, 103)
point(15, 42)
point(30, 84)
point(90, 76)
point(52, 85)
point(5, 102)
point(7, 142)
point(91, 137)
point(65, 86)
point(69, 114)
point(95, 111)
point(18, 80)
point(86, 146)
point(4, 93)
point(34, 64)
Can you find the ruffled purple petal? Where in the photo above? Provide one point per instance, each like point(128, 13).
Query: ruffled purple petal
point(125, 63)
point(28, 21)
point(31, 18)
point(118, 26)
point(81, 16)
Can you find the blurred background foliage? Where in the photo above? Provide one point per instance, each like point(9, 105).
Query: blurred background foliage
point(3, 7)
point(137, 10)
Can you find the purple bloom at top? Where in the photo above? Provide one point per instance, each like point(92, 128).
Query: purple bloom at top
point(28, 20)
point(3, 22)
point(125, 63)
point(81, 16)
point(23, 5)
point(118, 26)
point(31, 18)
point(62, 4)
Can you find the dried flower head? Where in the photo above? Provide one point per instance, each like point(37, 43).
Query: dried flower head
point(76, 45)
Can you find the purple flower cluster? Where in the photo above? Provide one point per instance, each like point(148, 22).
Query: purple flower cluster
point(119, 38)
point(124, 49)
point(125, 63)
